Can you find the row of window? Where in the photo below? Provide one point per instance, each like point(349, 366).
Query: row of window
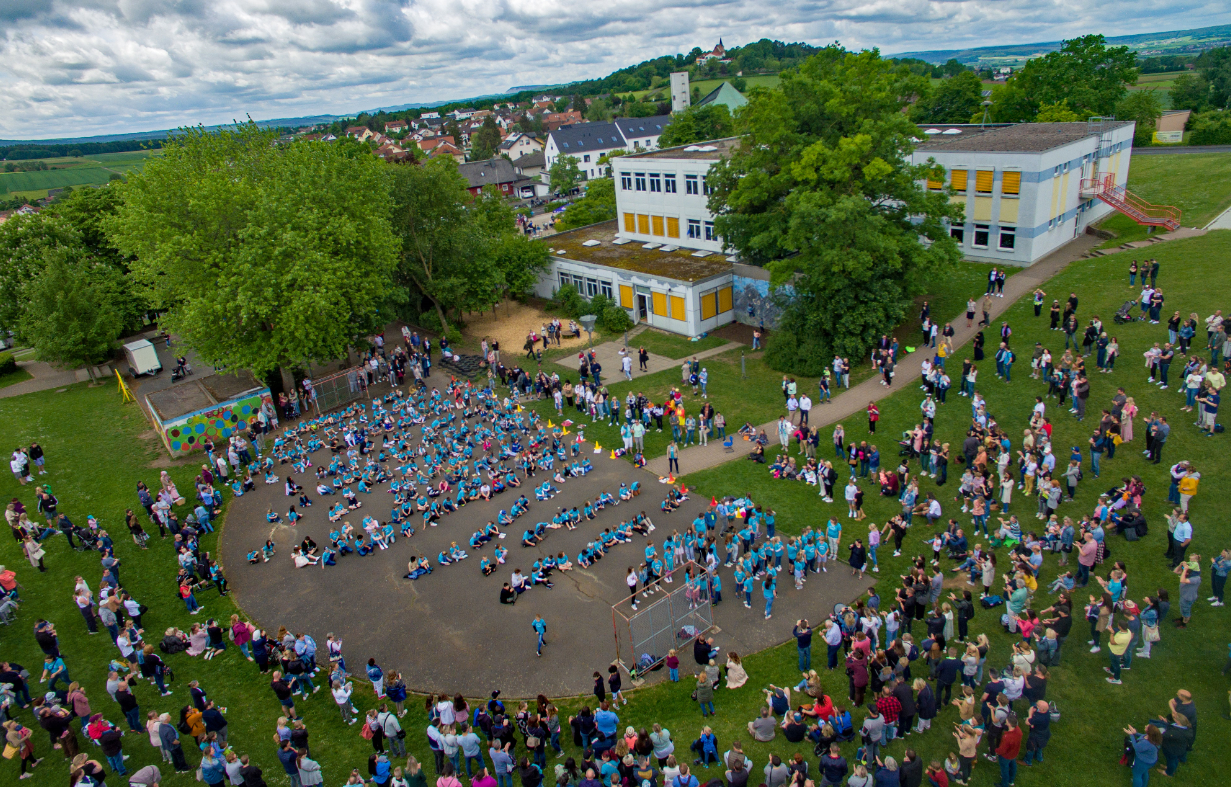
point(586, 286)
point(1007, 241)
point(959, 179)
point(715, 301)
point(662, 183)
point(668, 226)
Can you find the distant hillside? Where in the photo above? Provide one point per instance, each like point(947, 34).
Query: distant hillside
point(1169, 43)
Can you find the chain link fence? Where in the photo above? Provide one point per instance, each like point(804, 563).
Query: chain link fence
point(670, 619)
point(339, 389)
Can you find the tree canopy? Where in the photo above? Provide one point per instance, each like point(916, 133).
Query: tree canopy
point(459, 252)
point(486, 140)
point(698, 123)
point(599, 204)
point(263, 255)
point(1085, 72)
point(71, 317)
point(956, 99)
point(565, 174)
point(821, 192)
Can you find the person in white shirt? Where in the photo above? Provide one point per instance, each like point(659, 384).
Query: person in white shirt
point(805, 406)
point(626, 364)
point(341, 695)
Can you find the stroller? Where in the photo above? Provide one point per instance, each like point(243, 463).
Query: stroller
point(1125, 313)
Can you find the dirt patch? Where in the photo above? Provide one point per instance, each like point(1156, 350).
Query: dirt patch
point(511, 323)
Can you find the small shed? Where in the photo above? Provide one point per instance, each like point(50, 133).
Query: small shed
point(216, 407)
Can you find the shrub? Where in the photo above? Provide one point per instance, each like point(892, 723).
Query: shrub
point(1211, 128)
point(429, 321)
point(569, 301)
point(7, 364)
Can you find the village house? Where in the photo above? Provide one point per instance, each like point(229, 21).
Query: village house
point(517, 144)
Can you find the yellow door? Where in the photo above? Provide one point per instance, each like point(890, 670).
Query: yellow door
point(643, 224)
point(673, 227)
point(657, 222)
point(626, 296)
point(678, 310)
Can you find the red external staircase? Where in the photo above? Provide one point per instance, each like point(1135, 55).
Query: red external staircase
point(1104, 188)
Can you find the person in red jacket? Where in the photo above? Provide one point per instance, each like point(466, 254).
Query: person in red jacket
point(937, 776)
point(1006, 753)
point(890, 708)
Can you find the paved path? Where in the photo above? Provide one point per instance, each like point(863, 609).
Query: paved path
point(608, 354)
point(43, 377)
point(1221, 222)
point(1171, 150)
point(848, 403)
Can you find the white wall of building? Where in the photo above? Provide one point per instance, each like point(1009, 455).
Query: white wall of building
point(681, 98)
point(661, 195)
point(1048, 211)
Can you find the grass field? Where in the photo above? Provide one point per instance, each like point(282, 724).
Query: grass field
point(84, 171)
point(1199, 184)
point(670, 345)
point(19, 376)
point(97, 449)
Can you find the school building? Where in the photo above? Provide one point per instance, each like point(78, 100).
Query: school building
point(1029, 188)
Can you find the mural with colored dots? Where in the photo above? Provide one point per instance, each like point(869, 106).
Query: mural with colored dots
point(186, 433)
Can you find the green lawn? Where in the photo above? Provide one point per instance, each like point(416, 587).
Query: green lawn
point(1199, 184)
point(1087, 744)
point(97, 449)
point(53, 179)
point(670, 345)
point(19, 376)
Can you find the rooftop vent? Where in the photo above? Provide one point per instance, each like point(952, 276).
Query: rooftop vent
point(592, 243)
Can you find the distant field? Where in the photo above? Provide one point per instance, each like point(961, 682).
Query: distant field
point(706, 85)
point(84, 171)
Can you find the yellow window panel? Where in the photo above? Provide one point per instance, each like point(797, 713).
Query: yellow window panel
point(1012, 183)
point(630, 222)
point(958, 179)
point(643, 224)
point(1008, 211)
point(983, 209)
point(934, 184)
point(709, 305)
point(724, 300)
point(983, 181)
point(673, 227)
point(657, 223)
point(659, 303)
point(626, 296)
point(678, 311)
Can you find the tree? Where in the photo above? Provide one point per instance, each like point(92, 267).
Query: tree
point(460, 252)
point(597, 205)
point(954, 100)
point(263, 255)
point(711, 121)
point(70, 316)
point(1144, 107)
point(25, 242)
point(565, 174)
point(952, 68)
point(1214, 65)
point(1190, 91)
point(740, 84)
point(822, 193)
point(486, 141)
point(1210, 128)
point(1085, 72)
point(1057, 113)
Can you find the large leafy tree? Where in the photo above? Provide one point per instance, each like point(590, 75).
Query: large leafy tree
point(955, 100)
point(565, 174)
point(71, 317)
point(1092, 77)
point(460, 252)
point(599, 204)
point(486, 140)
point(25, 241)
point(263, 255)
point(1144, 107)
point(1190, 91)
point(821, 192)
point(696, 124)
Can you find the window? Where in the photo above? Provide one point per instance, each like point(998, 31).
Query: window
point(678, 308)
point(958, 234)
point(591, 288)
point(1051, 224)
point(690, 184)
point(640, 180)
point(669, 182)
point(934, 185)
point(673, 227)
point(706, 186)
point(709, 304)
point(657, 226)
point(586, 158)
point(1008, 238)
point(981, 236)
point(709, 231)
point(656, 183)
point(580, 284)
point(565, 280)
point(630, 222)
point(1011, 184)
point(643, 224)
point(604, 287)
point(1055, 172)
point(957, 179)
point(983, 181)
point(694, 228)
point(626, 181)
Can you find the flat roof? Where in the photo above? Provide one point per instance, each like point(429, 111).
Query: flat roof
point(679, 264)
point(713, 149)
point(200, 393)
point(1016, 138)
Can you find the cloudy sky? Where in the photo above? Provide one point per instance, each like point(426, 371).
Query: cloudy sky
point(81, 67)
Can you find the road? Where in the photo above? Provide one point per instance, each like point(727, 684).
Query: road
point(1172, 150)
